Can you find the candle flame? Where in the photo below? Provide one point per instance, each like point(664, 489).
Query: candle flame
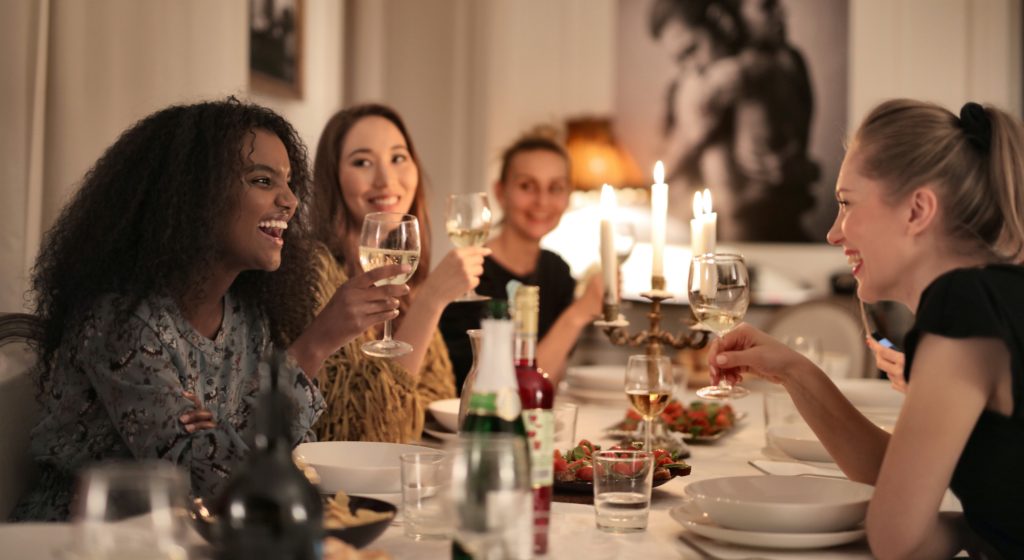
point(608, 201)
point(659, 173)
point(698, 206)
point(707, 201)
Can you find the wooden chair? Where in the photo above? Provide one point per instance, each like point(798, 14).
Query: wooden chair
point(19, 409)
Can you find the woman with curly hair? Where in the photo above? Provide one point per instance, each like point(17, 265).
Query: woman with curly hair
point(183, 260)
point(366, 163)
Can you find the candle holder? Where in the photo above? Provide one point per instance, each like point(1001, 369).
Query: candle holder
point(615, 327)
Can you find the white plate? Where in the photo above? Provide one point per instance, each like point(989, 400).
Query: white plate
point(782, 504)
point(596, 396)
point(361, 468)
point(799, 442)
point(607, 378)
point(440, 434)
point(705, 528)
point(446, 412)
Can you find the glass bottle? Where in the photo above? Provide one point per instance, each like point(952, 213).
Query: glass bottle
point(537, 395)
point(269, 509)
point(467, 385)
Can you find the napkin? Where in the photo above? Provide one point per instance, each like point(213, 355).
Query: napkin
point(790, 468)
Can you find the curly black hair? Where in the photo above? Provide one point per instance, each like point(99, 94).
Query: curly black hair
point(149, 217)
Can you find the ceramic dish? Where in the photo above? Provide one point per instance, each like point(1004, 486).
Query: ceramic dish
point(358, 467)
point(601, 378)
point(446, 412)
point(794, 541)
point(782, 504)
point(799, 442)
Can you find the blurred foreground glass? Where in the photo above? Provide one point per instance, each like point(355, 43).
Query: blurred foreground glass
point(719, 293)
point(492, 496)
point(622, 490)
point(131, 510)
point(426, 482)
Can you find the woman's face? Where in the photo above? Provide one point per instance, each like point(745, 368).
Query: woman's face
point(535, 194)
point(255, 237)
point(871, 232)
point(377, 171)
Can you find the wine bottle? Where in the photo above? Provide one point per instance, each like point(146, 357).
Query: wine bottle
point(494, 407)
point(268, 508)
point(537, 395)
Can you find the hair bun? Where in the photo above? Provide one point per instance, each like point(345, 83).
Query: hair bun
point(976, 125)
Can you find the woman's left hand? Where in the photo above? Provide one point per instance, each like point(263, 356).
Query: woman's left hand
point(198, 418)
point(590, 303)
point(891, 362)
point(457, 273)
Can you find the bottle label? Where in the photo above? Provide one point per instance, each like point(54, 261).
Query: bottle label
point(507, 404)
point(540, 433)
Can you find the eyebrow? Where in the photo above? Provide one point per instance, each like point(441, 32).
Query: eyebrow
point(369, 151)
point(263, 167)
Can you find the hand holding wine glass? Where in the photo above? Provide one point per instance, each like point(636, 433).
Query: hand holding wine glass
point(468, 223)
point(649, 385)
point(389, 238)
point(719, 293)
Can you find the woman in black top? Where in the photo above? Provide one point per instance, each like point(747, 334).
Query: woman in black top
point(931, 215)
point(533, 192)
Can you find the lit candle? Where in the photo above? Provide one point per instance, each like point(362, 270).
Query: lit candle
point(703, 236)
point(659, 215)
point(609, 264)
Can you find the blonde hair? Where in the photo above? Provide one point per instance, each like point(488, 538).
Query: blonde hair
point(975, 161)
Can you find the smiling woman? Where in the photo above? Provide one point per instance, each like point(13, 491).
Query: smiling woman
point(161, 288)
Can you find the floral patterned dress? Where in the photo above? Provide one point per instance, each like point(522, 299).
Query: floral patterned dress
point(116, 391)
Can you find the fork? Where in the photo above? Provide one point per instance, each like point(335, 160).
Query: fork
point(706, 554)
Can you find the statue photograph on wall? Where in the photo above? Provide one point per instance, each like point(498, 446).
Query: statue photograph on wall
point(746, 98)
point(275, 47)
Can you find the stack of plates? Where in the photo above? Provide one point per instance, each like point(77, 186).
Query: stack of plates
point(596, 384)
point(442, 420)
point(776, 511)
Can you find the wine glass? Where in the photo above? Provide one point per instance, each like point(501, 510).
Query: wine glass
point(389, 238)
point(719, 290)
point(624, 241)
point(131, 510)
point(468, 223)
point(492, 495)
point(649, 384)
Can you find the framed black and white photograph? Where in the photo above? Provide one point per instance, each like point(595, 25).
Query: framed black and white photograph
point(747, 98)
point(275, 47)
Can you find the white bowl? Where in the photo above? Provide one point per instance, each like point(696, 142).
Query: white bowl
point(358, 467)
point(782, 504)
point(799, 442)
point(446, 412)
point(602, 378)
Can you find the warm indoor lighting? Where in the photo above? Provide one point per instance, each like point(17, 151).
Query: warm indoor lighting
point(596, 157)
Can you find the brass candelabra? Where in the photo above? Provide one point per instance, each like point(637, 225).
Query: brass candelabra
point(615, 326)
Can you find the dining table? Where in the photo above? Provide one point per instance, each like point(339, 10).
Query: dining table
point(573, 532)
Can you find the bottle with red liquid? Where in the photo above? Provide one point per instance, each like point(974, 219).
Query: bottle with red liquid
point(537, 395)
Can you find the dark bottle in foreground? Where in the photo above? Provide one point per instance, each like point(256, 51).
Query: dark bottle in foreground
point(269, 509)
point(537, 395)
point(494, 406)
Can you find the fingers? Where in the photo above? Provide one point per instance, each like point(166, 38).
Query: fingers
point(199, 419)
point(192, 397)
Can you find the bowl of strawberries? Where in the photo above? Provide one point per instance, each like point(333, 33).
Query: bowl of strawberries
point(574, 469)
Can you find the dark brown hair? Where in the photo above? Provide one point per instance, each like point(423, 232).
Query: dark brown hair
point(333, 221)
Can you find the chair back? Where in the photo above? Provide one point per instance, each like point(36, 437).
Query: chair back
point(19, 409)
point(836, 324)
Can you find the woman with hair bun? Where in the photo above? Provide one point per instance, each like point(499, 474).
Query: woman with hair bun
point(932, 216)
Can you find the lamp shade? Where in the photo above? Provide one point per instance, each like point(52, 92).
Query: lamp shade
point(596, 157)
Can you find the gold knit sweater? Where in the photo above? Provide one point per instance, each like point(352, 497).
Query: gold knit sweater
point(375, 399)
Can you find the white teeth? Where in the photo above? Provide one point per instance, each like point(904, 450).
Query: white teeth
point(274, 224)
point(384, 201)
point(854, 260)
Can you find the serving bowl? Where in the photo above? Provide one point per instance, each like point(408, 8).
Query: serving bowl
point(446, 412)
point(358, 467)
point(782, 504)
point(799, 442)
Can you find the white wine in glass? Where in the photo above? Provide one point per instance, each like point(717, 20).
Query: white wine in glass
point(719, 293)
point(468, 223)
point(648, 387)
point(389, 238)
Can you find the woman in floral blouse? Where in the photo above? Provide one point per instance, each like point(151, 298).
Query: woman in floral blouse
point(183, 259)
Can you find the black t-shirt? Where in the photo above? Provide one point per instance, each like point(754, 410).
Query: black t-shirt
point(985, 303)
point(556, 284)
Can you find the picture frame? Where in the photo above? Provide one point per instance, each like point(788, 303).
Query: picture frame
point(276, 47)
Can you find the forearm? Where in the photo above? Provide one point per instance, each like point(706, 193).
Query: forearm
point(553, 350)
point(313, 346)
point(856, 444)
point(417, 329)
point(947, 535)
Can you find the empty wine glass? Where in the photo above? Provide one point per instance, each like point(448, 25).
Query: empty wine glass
point(389, 238)
point(468, 223)
point(131, 510)
point(492, 496)
point(649, 385)
point(719, 291)
point(625, 240)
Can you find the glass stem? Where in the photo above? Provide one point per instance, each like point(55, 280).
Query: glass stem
point(647, 432)
point(387, 331)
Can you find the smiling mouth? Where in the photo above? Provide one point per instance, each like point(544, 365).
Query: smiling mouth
point(274, 229)
point(855, 261)
point(384, 201)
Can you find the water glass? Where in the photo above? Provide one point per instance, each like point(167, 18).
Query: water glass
point(779, 411)
point(132, 510)
point(622, 490)
point(565, 425)
point(426, 483)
